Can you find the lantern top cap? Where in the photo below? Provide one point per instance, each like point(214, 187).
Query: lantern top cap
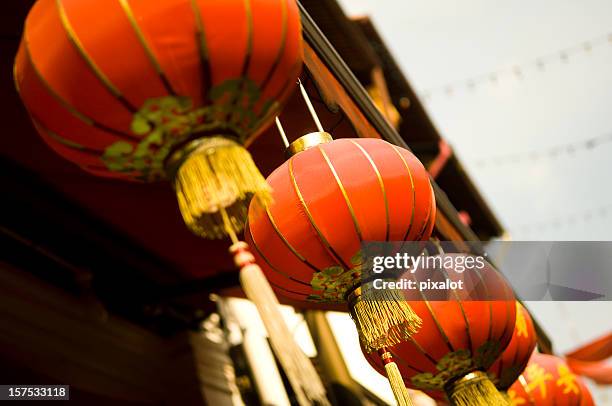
point(308, 141)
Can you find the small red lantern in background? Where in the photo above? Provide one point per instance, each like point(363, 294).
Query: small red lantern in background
point(506, 370)
point(461, 337)
point(169, 89)
point(548, 381)
point(586, 399)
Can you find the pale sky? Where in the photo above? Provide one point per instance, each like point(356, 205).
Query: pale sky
point(568, 197)
point(441, 42)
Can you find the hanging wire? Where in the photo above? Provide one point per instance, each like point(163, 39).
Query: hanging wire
point(517, 71)
point(584, 216)
point(553, 152)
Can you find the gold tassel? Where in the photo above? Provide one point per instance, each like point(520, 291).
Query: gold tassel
point(396, 381)
point(302, 375)
point(383, 317)
point(215, 173)
point(475, 389)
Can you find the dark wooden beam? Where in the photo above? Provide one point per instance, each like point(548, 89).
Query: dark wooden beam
point(58, 337)
point(44, 233)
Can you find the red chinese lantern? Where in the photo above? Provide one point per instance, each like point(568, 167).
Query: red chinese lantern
point(589, 360)
point(143, 90)
point(168, 89)
point(328, 198)
point(548, 381)
point(461, 337)
point(586, 399)
point(515, 357)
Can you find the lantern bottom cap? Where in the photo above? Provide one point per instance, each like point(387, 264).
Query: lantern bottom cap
point(382, 316)
point(475, 389)
point(214, 181)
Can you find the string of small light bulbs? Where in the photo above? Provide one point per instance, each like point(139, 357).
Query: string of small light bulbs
point(517, 71)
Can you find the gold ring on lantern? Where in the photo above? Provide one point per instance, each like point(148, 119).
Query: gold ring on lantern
point(307, 141)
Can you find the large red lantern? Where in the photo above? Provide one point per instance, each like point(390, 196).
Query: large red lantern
point(461, 337)
point(548, 381)
point(515, 357)
point(329, 198)
point(167, 89)
point(144, 90)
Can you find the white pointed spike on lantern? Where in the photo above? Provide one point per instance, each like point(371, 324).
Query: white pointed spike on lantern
point(313, 113)
point(282, 132)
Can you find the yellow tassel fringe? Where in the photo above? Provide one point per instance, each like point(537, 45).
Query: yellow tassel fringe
point(302, 375)
point(383, 317)
point(218, 173)
point(475, 389)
